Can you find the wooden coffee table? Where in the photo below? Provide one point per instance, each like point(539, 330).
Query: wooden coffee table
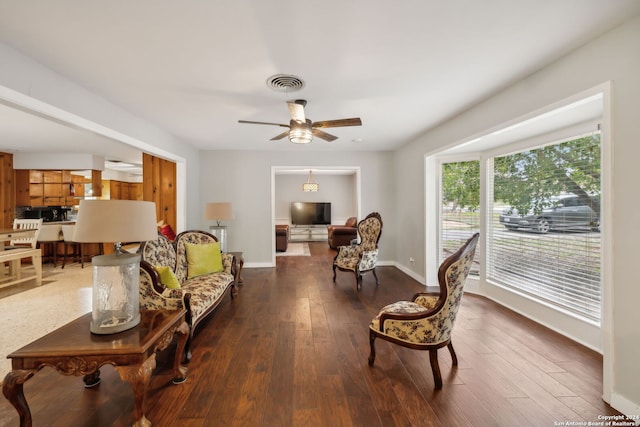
point(74, 350)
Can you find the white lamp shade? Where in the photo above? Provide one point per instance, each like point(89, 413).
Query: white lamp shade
point(218, 211)
point(115, 221)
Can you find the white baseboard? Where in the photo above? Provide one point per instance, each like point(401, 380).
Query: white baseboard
point(627, 407)
point(405, 270)
point(257, 265)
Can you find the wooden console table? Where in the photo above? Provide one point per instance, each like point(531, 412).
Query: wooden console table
point(74, 350)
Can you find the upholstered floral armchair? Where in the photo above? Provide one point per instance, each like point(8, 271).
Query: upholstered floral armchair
point(362, 257)
point(426, 322)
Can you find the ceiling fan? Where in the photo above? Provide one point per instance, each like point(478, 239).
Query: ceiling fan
point(302, 130)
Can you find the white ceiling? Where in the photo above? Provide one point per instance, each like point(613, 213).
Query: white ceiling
point(195, 67)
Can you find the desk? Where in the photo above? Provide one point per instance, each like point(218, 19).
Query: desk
point(73, 350)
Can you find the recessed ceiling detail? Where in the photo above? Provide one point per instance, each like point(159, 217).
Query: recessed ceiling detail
point(285, 83)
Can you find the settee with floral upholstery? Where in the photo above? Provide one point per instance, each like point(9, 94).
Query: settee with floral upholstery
point(189, 272)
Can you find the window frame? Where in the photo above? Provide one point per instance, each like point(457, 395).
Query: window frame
point(562, 136)
point(593, 336)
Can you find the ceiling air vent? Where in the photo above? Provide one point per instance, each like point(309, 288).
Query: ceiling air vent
point(285, 83)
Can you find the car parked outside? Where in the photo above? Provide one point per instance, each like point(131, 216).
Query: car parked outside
point(567, 212)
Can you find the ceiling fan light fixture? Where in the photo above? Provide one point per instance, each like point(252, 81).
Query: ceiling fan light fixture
point(300, 135)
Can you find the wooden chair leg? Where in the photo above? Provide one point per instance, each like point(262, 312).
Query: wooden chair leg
point(36, 260)
point(454, 358)
point(372, 353)
point(376, 276)
point(64, 254)
point(437, 378)
point(55, 254)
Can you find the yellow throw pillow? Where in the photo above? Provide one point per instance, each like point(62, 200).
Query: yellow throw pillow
point(167, 277)
point(203, 259)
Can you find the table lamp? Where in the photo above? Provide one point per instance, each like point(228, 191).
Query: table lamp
point(218, 212)
point(115, 300)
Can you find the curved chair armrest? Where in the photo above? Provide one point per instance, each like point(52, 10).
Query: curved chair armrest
point(348, 252)
point(173, 293)
point(154, 295)
point(368, 260)
point(342, 229)
point(430, 305)
point(424, 314)
point(426, 299)
point(153, 277)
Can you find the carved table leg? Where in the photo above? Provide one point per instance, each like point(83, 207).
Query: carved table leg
point(91, 380)
point(241, 264)
point(179, 371)
point(13, 391)
point(138, 377)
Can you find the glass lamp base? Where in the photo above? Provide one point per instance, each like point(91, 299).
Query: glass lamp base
point(220, 231)
point(114, 325)
point(115, 298)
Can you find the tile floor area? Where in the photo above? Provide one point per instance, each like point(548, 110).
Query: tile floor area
point(28, 312)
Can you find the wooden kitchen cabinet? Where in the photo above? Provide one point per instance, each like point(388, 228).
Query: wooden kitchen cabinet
point(135, 191)
point(22, 188)
point(115, 190)
point(7, 195)
point(122, 190)
point(96, 183)
point(159, 186)
point(34, 176)
point(48, 188)
point(50, 177)
point(78, 182)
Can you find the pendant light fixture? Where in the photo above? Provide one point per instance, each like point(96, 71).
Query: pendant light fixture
point(310, 185)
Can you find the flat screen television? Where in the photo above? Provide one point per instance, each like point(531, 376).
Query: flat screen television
point(310, 213)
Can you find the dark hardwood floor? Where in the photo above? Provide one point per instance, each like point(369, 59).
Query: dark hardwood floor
point(291, 350)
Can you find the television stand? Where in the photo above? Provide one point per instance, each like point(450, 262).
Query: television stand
point(303, 233)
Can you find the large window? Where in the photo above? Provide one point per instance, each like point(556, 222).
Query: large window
point(543, 227)
point(544, 230)
point(460, 208)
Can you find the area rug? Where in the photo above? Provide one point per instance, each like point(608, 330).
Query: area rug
point(296, 249)
point(37, 310)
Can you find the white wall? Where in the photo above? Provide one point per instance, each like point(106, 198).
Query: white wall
point(339, 190)
point(244, 178)
point(613, 57)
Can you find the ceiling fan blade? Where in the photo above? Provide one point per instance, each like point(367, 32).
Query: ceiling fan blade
point(282, 135)
point(262, 123)
point(355, 121)
point(296, 108)
point(323, 135)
